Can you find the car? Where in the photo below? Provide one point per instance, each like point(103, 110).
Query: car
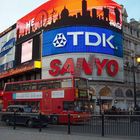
point(19, 108)
point(22, 115)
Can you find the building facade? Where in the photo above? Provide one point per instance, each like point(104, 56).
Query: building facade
point(122, 95)
point(26, 52)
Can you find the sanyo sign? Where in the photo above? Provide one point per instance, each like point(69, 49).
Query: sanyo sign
point(82, 39)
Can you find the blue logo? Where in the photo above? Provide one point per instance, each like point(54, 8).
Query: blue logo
point(82, 39)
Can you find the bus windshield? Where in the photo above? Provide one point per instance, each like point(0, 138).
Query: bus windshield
point(78, 106)
point(81, 83)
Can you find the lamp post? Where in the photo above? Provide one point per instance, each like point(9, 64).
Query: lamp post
point(134, 86)
point(134, 80)
point(99, 103)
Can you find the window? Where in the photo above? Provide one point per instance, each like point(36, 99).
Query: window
point(49, 85)
point(138, 94)
point(16, 87)
point(80, 83)
point(26, 86)
point(56, 85)
point(131, 31)
point(66, 83)
point(8, 87)
point(42, 86)
point(28, 77)
point(138, 34)
point(34, 86)
point(129, 93)
point(68, 105)
point(119, 93)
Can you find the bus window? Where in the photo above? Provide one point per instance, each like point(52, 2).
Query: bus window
point(68, 105)
point(81, 83)
point(34, 86)
point(56, 85)
point(26, 86)
point(66, 83)
point(8, 87)
point(82, 106)
point(12, 87)
point(42, 86)
point(49, 85)
point(16, 87)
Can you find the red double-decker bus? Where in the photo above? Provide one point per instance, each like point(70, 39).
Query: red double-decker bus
point(54, 97)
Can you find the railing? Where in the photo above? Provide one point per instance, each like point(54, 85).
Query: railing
point(101, 125)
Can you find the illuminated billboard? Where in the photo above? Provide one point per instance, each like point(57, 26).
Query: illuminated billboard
point(82, 39)
point(7, 50)
point(59, 13)
point(29, 50)
point(92, 66)
point(26, 51)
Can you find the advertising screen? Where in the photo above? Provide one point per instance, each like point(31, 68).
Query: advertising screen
point(26, 52)
point(59, 13)
point(88, 65)
point(7, 50)
point(84, 39)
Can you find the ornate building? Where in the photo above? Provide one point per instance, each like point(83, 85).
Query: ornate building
point(122, 94)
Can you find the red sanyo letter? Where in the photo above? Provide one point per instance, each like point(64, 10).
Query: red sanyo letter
point(112, 68)
point(68, 67)
point(55, 69)
point(100, 65)
point(87, 68)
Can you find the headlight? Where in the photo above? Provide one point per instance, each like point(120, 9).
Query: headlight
point(78, 116)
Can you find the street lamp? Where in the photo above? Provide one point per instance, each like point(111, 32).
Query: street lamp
point(134, 80)
point(134, 86)
point(138, 59)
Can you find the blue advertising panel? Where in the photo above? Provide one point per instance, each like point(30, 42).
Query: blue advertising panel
point(82, 39)
point(7, 50)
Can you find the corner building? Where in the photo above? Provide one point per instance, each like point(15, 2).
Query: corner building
point(95, 41)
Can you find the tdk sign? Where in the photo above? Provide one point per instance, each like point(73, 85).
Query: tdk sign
point(60, 39)
point(82, 39)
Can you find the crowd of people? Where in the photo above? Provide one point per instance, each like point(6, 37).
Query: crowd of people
point(119, 111)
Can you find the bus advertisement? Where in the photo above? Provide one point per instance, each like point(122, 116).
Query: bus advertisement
point(56, 98)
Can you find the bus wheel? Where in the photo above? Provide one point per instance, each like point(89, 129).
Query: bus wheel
point(30, 123)
point(54, 119)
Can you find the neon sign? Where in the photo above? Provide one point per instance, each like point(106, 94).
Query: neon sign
point(111, 66)
point(85, 39)
point(60, 13)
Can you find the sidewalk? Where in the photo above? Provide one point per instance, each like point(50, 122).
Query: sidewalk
point(9, 134)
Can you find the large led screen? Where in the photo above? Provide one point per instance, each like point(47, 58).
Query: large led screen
point(59, 13)
point(93, 66)
point(84, 39)
point(26, 52)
